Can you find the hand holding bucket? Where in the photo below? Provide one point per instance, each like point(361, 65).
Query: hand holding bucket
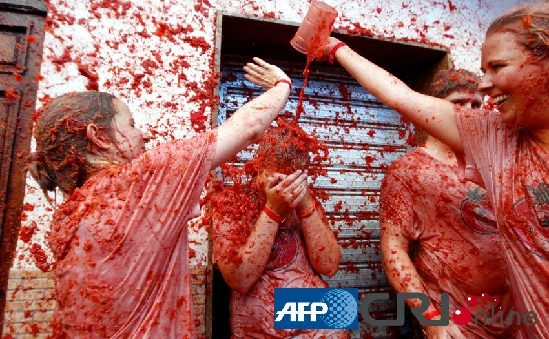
point(312, 35)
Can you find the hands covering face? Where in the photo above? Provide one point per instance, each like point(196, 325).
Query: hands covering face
point(286, 192)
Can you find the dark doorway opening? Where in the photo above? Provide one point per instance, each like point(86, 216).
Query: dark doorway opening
point(410, 62)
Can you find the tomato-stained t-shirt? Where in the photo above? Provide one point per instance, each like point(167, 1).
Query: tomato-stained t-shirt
point(451, 225)
point(514, 168)
point(252, 313)
point(120, 243)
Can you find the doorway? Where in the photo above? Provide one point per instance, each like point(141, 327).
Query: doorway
point(363, 136)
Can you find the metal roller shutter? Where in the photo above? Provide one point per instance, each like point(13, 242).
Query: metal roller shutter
point(364, 137)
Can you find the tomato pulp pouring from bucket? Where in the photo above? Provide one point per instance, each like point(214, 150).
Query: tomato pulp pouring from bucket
point(311, 38)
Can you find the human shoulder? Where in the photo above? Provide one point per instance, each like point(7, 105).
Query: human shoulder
point(480, 118)
point(178, 154)
point(234, 210)
point(227, 194)
point(408, 163)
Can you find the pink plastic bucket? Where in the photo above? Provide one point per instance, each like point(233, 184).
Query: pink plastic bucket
point(312, 35)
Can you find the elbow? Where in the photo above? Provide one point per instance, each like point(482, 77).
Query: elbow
point(253, 129)
point(236, 280)
point(331, 271)
point(328, 267)
point(334, 265)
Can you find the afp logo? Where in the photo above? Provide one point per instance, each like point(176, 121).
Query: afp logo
point(316, 308)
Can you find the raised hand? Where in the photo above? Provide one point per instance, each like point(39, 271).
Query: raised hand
point(263, 74)
point(329, 46)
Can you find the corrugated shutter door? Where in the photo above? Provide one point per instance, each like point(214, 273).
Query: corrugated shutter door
point(363, 137)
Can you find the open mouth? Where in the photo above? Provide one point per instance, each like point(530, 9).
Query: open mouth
point(500, 99)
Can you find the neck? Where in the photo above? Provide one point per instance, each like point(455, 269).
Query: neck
point(440, 151)
point(98, 163)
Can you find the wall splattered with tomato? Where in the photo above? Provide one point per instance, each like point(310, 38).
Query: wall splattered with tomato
point(159, 57)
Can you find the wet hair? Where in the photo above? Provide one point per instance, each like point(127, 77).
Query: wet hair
point(530, 23)
point(446, 82)
point(449, 81)
point(284, 149)
point(61, 138)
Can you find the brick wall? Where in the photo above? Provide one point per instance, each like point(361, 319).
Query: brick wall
point(199, 288)
point(31, 303)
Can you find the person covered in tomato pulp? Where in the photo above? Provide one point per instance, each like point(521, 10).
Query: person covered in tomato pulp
point(270, 232)
point(120, 237)
point(438, 231)
point(506, 144)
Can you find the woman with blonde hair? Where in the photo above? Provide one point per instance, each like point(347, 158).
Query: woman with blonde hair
point(506, 145)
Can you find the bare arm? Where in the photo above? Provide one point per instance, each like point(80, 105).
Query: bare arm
point(436, 116)
point(322, 246)
point(404, 277)
point(254, 254)
point(397, 263)
point(252, 119)
point(241, 275)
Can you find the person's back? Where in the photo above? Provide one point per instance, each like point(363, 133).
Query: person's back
point(124, 234)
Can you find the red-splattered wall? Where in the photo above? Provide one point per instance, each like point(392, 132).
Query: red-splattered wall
point(158, 56)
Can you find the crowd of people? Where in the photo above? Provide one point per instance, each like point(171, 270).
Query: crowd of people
point(466, 212)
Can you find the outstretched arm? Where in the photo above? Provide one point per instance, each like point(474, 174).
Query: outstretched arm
point(434, 115)
point(252, 119)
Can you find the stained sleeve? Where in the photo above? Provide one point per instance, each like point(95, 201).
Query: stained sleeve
point(396, 205)
point(164, 185)
point(485, 142)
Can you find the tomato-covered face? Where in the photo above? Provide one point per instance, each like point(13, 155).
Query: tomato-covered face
point(465, 99)
point(517, 82)
point(129, 140)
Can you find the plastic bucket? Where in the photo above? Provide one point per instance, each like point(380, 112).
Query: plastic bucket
point(312, 35)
